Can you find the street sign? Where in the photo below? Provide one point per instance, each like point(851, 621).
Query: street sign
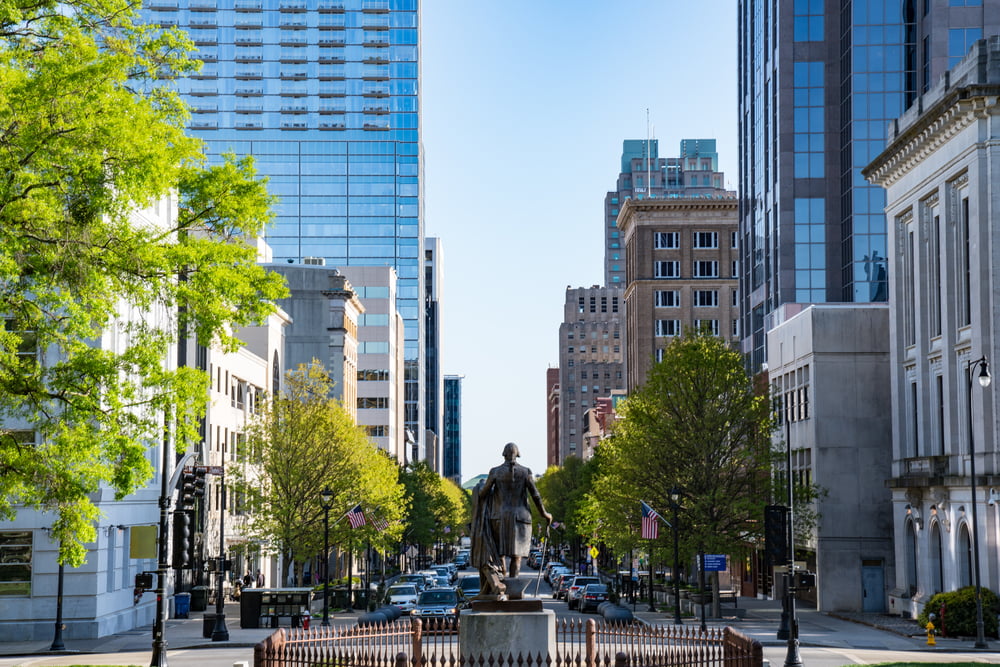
point(594, 552)
point(715, 562)
point(211, 470)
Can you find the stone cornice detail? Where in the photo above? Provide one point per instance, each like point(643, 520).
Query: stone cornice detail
point(934, 129)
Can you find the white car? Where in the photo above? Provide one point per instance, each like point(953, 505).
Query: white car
point(403, 596)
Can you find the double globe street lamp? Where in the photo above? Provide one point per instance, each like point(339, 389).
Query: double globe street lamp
point(327, 495)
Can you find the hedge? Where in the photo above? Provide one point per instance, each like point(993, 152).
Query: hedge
point(959, 616)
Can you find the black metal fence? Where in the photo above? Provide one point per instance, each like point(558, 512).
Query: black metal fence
point(430, 643)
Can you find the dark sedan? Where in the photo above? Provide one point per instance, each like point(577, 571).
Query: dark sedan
point(593, 595)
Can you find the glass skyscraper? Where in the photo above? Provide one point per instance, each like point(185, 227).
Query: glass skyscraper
point(325, 95)
point(820, 81)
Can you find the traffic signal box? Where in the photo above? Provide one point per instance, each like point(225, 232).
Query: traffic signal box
point(776, 534)
point(183, 551)
point(192, 487)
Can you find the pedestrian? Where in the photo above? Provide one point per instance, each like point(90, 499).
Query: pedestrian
point(247, 580)
point(260, 579)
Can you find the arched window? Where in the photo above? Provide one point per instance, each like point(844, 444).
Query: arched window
point(964, 557)
point(935, 565)
point(911, 558)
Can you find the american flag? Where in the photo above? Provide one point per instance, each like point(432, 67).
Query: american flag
point(650, 527)
point(356, 516)
point(380, 524)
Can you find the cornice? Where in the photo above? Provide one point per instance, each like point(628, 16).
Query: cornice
point(936, 127)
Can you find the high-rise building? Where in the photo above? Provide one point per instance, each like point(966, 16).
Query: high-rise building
point(591, 359)
point(646, 175)
point(433, 380)
point(451, 451)
point(681, 272)
point(551, 417)
point(324, 94)
point(819, 83)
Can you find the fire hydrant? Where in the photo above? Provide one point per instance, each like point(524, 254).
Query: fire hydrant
point(305, 620)
point(930, 633)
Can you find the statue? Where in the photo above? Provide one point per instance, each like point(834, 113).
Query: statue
point(501, 524)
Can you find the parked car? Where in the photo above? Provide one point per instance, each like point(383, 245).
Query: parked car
point(549, 567)
point(462, 560)
point(562, 584)
point(469, 585)
point(403, 596)
point(575, 590)
point(593, 595)
point(440, 605)
point(535, 559)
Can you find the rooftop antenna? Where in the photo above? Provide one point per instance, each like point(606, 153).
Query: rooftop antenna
point(649, 158)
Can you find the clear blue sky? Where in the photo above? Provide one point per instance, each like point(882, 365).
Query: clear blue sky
point(525, 106)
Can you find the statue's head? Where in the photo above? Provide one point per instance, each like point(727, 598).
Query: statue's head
point(511, 452)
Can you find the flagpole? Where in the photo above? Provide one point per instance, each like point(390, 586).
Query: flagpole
point(350, 571)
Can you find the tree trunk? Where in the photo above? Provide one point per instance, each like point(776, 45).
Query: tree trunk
point(716, 606)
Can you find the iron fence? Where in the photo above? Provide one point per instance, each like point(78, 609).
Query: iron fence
point(579, 643)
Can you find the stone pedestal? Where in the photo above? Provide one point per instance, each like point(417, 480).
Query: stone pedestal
point(483, 633)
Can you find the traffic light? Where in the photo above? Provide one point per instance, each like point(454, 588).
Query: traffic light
point(192, 487)
point(776, 534)
point(183, 553)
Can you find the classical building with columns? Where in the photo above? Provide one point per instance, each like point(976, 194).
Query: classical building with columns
point(939, 171)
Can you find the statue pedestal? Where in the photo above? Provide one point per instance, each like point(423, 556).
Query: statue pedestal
point(500, 629)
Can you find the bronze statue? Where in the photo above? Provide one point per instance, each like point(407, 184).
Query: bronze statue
point(501, 523)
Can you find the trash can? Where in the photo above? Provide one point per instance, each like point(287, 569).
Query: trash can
point(199, 598)
point(207, 625)
point(182, 605)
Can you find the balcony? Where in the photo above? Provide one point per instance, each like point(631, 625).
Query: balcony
point(163, 4)
point(376, 92)
point(203, 22)
point(293, 24)
point(331, 91)
point(292, 39)
point(375, 23)
point(302, 125)
point(293, 92)
point(330, 6)
point(331, 41)
point(202, 91)
point(375, 6)
point(375, 126)
point(332, 23)
point(205, 74)
point(330, 109)
point(248, 5)
point(249, 108)
point(378, 40)
point(249, 92)
point(249, 58)
point(204, 125)
point(252, 39)
point(207, 56)
point(332, 126)
point(334, 58)
point(377, 109)
point(296, 109)
point(249, 24)
point(250, 125)
point(244, 75)
point(202, 5)
point(376, 60)
point(205, 108)
point(292, 6)
point(294, 75)
point(373, 74)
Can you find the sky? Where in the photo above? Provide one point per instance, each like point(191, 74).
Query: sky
point(525, 104)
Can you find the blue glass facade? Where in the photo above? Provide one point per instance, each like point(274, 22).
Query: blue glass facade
point(325, 95)
point(812, 228)
point(452, 449)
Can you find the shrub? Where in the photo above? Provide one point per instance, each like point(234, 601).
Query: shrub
point(960, 612)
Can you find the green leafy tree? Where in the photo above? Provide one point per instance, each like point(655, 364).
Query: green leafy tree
point(436, 507)
point(696, 424)
point(303, 442)
point(89, 137)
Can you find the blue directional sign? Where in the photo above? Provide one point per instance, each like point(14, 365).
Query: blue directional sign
point(715, 562)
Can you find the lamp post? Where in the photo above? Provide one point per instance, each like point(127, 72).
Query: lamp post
point(220, 633)
point(675, 496)
point(792, 657)
point(327, 495)
point(57, 640)
point(984, 381)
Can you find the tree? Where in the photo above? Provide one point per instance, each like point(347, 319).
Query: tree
point(303, 442)
point(436, 507)
point(564, 491)
point(696, 424)
point(89, 137)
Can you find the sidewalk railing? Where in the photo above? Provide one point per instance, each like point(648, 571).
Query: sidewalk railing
point(579, 643)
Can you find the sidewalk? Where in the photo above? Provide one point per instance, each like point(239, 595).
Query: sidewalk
point(180, 633)
point(855, 630)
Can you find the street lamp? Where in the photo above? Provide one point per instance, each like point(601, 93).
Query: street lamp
point(984, 381)
point(220, 633)
point(327, 495)
point(675, 496)
point(792, 657)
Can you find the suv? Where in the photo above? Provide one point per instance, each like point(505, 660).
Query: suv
point(440, 606)
point(575, 590)
point(403, 596)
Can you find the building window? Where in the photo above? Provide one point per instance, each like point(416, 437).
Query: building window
point(736, 328)
point(706, 298)
point(667, 298)
point(15, 562)
point(706, 240)
point(736, 298)
point(668, 328)
point(808, 119)
point(614, 304)
point(707, 326)
point(734, 240)
point(735, 269)
point(960, 40)
point(372, 402)
point(666, 240)
point(965, 262)
point(706, 269)
point(377, 431)
point(808, 26)
point(667, 269)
